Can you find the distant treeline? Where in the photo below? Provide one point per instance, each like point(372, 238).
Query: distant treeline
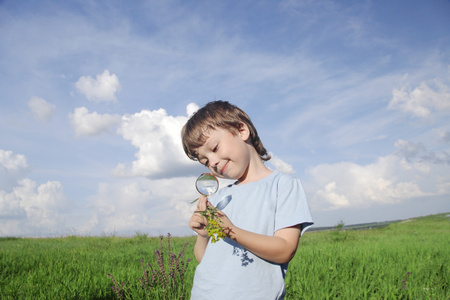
point(372, 225)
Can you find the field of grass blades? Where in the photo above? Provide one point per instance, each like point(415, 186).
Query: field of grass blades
point(405, 260)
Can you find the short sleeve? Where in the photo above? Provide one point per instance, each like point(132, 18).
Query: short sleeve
point(292, 206)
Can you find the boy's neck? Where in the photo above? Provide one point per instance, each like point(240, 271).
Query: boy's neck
point(256, 171)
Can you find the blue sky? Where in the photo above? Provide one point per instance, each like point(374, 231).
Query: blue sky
point(352, 97)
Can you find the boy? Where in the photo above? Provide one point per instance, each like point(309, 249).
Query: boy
point(264, 219)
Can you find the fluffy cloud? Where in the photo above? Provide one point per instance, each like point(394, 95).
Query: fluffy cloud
point(280, 165)
point(103, 88)
point(31, 208)
point(144, 204)
point(411, 172)
point(418, 152)
point(348, 184)
point(90, 124)
point(13, 167)
point(429, 96)
point(157, 137)
point(41, 109)
point(191, 108)
point(27, 207)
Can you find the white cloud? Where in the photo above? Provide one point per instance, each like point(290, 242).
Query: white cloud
point(280, 165)
point(191, 108)
point(329, 194)
point(419, 153)
point(411, 171)
point(348, 184)
point(147, 205)
point(12, 162)
point(26, 207)
point(103, 88)
point(158, 138)
point(41, 109)
point(31, 208)
point(430, 96)
point(13, 167)
point(90, 124)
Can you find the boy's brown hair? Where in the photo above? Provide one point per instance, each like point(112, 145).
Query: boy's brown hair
point(218, 114)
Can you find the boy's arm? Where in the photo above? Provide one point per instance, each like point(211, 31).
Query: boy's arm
point(198, 224)
point(279, 248)
point(200, 247)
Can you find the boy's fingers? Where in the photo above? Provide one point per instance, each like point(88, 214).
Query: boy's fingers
point(201, 205)
point(197, 222)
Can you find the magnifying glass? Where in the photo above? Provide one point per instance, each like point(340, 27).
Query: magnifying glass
point(207, 185)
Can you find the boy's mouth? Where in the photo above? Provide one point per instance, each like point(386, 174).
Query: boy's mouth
point(224, 168)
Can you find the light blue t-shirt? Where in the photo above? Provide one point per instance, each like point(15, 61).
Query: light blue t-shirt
point(229, 271)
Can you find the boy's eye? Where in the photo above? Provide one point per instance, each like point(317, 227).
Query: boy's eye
point(215, 148)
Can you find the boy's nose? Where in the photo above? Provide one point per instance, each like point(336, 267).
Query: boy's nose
point(214, 161)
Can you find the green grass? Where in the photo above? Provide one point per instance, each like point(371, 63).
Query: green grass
point(405, 260)
point(76, 267)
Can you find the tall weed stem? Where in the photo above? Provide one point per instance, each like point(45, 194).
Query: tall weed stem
point(163, 281)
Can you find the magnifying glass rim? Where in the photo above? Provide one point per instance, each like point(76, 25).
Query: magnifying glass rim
point(209, 174)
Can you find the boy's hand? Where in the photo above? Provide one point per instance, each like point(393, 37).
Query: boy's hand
point(225, 223)
point(198, 222)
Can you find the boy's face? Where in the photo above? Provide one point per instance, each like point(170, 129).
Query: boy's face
point(226, 155)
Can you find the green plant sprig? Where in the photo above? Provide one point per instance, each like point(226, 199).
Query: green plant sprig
point(214, 229)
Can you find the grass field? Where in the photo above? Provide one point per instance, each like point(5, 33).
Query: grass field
point(405, 260)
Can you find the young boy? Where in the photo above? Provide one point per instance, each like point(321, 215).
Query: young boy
point(265, 216)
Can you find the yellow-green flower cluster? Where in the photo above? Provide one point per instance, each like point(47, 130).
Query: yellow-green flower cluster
point(214, 229)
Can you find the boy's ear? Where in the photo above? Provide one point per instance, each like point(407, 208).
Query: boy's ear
point(244, 132)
